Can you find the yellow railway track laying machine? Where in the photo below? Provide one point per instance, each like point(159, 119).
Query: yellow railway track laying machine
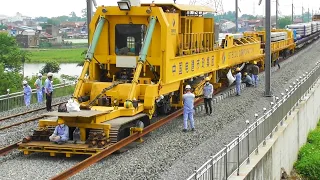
point(139, 60)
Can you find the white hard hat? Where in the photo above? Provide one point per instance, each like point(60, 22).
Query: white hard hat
point(188, 86)
point(49, 74)
point(39, 74)
point(24, 82)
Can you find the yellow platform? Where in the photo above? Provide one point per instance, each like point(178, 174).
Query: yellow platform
point(67, 148)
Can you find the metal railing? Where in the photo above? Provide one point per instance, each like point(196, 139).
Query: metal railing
point(14, 100)
point(237, 152)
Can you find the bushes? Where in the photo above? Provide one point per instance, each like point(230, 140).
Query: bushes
point(9, 80)
point(50, 66)
point(308, 164)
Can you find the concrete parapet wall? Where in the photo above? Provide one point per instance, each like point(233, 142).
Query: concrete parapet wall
point(282, 149)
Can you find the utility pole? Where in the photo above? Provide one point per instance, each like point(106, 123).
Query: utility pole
point(308, 15)
point(292, 13)
point(254, 9)
point(277, 14)
point(302, 15)
point(236, 16)
point(267, 60)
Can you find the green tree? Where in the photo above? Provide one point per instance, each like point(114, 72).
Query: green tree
point(248, 17)
point(51, 66)
point(53, 21)
point(284, 21)
point(2, 26)
point(41, 19)
point(84, 13)
point(9, 80)
point(11, 60)
point(11, 55)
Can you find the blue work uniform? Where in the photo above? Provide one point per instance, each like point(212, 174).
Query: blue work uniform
point(39, 86)
point(63, 132)
point(188, 101)
point(248, 81)
point(238, 82)
point(48, 90)
point(48, 86)
point(27, 94)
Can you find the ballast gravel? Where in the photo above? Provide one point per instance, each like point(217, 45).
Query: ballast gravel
point(168, 153)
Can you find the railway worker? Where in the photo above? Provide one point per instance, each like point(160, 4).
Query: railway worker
point(238, 81)
point(60, 134)
point(255, 72)
point(276, 62)
point(248, 80)
point(48, 90)
point(27, 91)
point(207, 93)
point(188, 101)
point(39, 87)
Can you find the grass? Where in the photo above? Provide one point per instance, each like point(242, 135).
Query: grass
point(59, 55)
point(308, 164)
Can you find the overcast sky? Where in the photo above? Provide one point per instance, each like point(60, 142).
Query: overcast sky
point(51, 8)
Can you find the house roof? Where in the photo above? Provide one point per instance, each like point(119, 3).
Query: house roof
point(45, 35)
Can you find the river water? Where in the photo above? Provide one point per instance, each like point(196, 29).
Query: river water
point(71, 69)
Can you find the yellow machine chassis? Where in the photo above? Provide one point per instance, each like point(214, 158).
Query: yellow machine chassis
point(183, 48)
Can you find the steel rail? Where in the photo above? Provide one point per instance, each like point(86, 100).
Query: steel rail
point(27, 112)
point(22, 122)
point(7, 149)
point(124, 142)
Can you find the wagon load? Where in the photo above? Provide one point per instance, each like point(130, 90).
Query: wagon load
point(278, 36)
point(314, 27)
point(303, 29)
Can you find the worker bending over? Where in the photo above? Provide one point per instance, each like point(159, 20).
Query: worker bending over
point(207, 95)
point(188, 103)
point(238, 81)
point(247, 79)
point(255, 72)
point(27, 91)
point(61, 133)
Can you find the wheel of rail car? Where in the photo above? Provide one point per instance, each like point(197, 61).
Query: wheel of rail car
point(124, 130)
point(139, 124)
point(291, 51)
point(287, 53)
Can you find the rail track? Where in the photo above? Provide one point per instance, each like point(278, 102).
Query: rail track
point(117, 146)
point(22, 122)
point(27, 112)
point(7, 149)
point(113, 147)
point(124, 142)
point(5, 119)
